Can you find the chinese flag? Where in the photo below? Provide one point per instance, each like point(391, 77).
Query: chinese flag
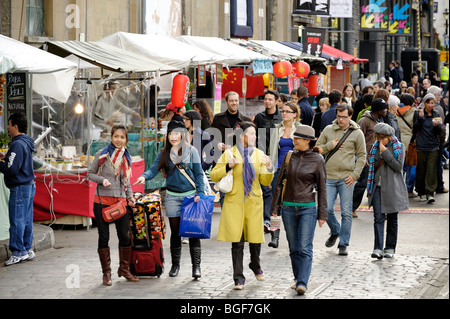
point(232, 81)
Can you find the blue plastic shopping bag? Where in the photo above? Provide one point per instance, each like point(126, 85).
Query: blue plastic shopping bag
point(196, 218)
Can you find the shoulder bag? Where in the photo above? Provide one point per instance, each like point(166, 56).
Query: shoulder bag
point(225, 185)
point(338, 146)
point(115, 211)
point(288, 160)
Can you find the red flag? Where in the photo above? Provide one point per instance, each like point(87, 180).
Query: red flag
point(232, 81)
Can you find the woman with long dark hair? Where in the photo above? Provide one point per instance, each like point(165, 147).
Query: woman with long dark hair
point(111, 170)
point(176, 154)
point(202, 107)
point(242, 214)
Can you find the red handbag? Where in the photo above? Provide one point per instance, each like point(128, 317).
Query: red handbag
point(115, 211)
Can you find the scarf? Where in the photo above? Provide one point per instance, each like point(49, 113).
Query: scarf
point(397, 146)
point(120, 159)
point(248, 169)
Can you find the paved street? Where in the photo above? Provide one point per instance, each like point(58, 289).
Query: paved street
point(72, 269)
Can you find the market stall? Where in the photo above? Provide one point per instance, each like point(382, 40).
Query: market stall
point(29, 72)
point(74, 138)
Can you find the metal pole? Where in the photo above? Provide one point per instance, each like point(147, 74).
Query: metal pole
point(419, 35)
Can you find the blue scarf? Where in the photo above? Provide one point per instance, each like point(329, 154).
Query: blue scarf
point(397, 146)
point(248, 169)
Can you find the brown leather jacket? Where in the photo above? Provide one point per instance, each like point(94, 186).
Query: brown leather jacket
point(306, 170)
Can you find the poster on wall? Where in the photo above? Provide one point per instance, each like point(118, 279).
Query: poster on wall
point(316, 7)
point(312, 40)
point(341, 8)
point(393, 17)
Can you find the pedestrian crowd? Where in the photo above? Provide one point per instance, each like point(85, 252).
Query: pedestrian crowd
point(386, 139)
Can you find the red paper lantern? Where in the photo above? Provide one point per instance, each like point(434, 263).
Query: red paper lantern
point(314, 85)
point(301, 69)
point(180, 90)
point(282, 69)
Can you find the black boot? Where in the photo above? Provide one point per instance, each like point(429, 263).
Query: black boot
point(275, 238)
point(196, 257)
point(176, 257)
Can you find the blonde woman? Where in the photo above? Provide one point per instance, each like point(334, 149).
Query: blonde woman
point(324, 105)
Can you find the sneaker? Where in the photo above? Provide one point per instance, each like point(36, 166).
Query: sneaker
point(185, 241)
point(442, 191)
point(260, 275)
point(15, 260)
point(389, 253)
point(31, 255)
point(238, 286)
point(412, 195)
point(343, 251)
point(378, 254)
point(266, 227)
point(300, 290)
point(331, 241)
point(430, 199)
point(422, 198)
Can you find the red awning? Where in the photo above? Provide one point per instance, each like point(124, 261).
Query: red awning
point(332, 53)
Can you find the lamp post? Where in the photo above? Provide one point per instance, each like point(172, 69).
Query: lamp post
point(445, 13)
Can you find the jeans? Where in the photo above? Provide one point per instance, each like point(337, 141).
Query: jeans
point(335, 187)
point(410, 182)
point(21, 219)
point(267, 193)
point(300, 224)
point(122, 228)
point(379, 219)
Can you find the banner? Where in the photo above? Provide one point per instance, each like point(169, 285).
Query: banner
point(312, 40)
point(393, 17)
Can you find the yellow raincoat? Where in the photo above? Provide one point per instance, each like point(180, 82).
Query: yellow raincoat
point(240, 214)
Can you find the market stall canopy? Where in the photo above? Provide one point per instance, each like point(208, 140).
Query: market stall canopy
point(81, 63)
point(288, 52)
point(335, 54)
point(52, 76)
point(108, 57)
point(163, 49)
point(236, 55)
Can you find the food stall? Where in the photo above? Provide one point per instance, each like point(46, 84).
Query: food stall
point(28, 72)
point(69, 137)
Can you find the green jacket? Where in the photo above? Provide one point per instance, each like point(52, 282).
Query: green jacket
point(342, 163)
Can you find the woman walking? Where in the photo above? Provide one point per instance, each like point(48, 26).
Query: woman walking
point(427, 129)
point(386, 188)
point(295, 199)
point(242, 215)
point(176, 157)
point(281, 143)
point(111, 170)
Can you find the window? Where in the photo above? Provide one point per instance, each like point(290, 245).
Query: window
point(35, 17)
point(241, 18)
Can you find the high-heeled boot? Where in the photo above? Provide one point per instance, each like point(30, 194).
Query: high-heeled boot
point(124, 267)
point(105, 261)
point(196, 258)
point(176, 257)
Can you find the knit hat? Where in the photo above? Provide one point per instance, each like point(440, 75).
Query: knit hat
point(379, 105)
point(384, 129)
point(428, 97)
point(306, 132)
point(173, 125)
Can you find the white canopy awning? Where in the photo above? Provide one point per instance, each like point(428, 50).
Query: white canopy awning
point(235, 54)
point(52, 76)
point(108, 57)
point(277, 48)
point(163, 49)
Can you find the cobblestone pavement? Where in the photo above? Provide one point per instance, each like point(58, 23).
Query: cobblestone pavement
point(72, 271)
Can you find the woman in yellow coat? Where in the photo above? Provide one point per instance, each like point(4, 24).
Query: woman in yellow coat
point(242, 217)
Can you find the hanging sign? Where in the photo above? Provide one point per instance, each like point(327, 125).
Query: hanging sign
point(219, 73)
point(312, 40)
point(262, 66)
point(17, 96)
point(202, 75)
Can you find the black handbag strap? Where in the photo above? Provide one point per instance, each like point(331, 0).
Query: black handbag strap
point(338, 146)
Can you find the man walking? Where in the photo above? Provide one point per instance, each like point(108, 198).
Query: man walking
point(265, 121)
point(17, 166)
point(340, 142)
point(307, 112)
